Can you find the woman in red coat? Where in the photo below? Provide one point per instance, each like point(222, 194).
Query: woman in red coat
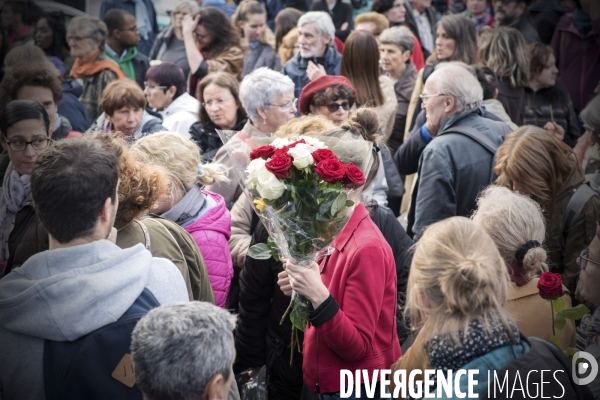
point(353, 296)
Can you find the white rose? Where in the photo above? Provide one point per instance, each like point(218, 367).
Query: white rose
point(268, 186)
point(302, 157)
point(280, 143)
point(314, 143)
point(252, 171)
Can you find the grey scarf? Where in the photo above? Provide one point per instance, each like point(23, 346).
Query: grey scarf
point(15, 190)
point(188, 209)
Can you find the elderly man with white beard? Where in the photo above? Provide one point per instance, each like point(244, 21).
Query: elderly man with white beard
point(317, 55)
point(456, 165)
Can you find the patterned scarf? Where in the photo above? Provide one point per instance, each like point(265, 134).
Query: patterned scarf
point(15, 190)
point(445, 354)
point(588, 329)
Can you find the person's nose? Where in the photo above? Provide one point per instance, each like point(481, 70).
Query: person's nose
point(29, 150)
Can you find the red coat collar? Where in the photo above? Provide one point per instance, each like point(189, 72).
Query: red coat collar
point(360, 213)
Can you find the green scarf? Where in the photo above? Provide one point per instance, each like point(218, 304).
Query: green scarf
point(126, 63)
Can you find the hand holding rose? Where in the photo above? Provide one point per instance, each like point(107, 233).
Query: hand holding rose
point(307, 282)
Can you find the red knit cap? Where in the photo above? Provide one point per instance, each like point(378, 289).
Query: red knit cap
point(314, 87)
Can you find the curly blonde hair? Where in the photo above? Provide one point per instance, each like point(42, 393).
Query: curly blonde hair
point(180, 157)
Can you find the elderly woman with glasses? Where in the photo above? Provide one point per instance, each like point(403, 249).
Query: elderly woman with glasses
point(25, 133)
point(268, 98)
point(329, 96)
point(86, 37)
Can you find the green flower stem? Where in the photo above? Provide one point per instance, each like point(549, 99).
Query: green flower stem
point(552, 311)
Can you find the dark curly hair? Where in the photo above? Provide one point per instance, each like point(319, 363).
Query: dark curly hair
point(35, 75)
point(221, 29)
point(333, 93)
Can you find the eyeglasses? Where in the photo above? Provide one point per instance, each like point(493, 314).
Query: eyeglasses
point(154, 87)
point(76, 38)
point(503, 1)
point(133, 29)
point(21, 145)
point(288, 105)
point(584, 259)
point(425, 97)
point(217, 102)
point(333, 107)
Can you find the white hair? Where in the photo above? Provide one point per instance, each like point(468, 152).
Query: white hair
point(399, 36)
point(261, 87)
point(91, 27)
point(458, 83)
point(178, 348)
point(323, 23)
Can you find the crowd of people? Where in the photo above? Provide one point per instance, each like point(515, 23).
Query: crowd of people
point(123, 219)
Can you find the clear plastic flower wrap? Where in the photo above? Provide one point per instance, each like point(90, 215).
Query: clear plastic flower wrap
point(304, 190)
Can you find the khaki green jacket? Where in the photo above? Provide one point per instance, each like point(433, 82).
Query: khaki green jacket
point(166, 239)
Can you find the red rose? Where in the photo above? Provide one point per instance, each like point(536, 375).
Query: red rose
point(354, 176)
point(550, 286)
point(280, 166)
point(331, 170)
point(323, 154)
point(262, 152)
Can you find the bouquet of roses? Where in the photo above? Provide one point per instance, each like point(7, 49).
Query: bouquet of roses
point(304, 191)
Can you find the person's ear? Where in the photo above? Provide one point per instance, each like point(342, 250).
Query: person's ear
point(107, 211)
point(313, 110)
point(522, 6)
point(449, 103)
point(406, 55)
point(171, 91)
point(260, 110)
point(216, 388)
point(495, 96)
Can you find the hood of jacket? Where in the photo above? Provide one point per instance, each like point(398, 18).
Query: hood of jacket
point(72, 86)
point(216, 219)
point(184, 103)
point(148, 124)
point(66, 293)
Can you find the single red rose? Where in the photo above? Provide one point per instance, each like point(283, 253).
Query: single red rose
point(550, 286)
point(331, 170)
point(323, 154)
point(262, 152)
point(280, 166)
point(354, 176)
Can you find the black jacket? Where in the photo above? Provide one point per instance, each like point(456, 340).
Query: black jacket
point(71, 108)
point(295, 68)
point(341, 13)
point(141, 64)
point(206, 137)
point(260, 339)
point(525, 26)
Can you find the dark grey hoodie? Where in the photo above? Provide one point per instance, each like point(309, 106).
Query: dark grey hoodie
point(64, 294)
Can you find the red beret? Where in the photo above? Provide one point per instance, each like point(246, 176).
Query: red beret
point(316, 86)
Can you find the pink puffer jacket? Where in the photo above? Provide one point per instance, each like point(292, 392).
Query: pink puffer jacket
point(211, 232)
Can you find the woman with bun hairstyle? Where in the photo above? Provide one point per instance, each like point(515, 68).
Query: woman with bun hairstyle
point(141, 186)
point(535, 163)
point(516, 224)
point(459, 284)
point(352, 291)
point(201, 213)
point(250, 19)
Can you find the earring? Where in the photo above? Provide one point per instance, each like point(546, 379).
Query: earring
point(264, 121)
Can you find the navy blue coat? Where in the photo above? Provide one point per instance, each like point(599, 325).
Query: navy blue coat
point(71, 108)
point(295, 68)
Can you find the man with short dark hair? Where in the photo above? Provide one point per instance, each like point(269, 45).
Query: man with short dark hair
point(84, 282)
point(514, 14)
point(145, 18)
point(121, 45)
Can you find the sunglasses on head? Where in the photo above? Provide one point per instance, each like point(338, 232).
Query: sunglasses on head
point(333, 107)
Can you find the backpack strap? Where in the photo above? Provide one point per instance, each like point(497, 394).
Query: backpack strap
point(19, 236)
point(147, 241)
point(483, 141)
